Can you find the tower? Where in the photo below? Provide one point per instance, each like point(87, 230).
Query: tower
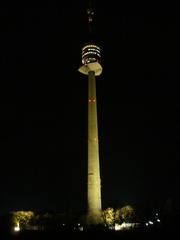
point(91, 66)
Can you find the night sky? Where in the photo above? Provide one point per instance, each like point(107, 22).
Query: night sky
point(43, 107)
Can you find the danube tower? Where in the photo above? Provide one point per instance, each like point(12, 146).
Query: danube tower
point(91, 66)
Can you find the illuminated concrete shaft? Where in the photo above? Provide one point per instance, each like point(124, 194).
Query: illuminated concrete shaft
point(94, 185)
point(91, 66)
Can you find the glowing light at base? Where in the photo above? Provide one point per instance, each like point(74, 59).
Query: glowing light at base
point(125, 226)
point(17, 228)
point(117, 227)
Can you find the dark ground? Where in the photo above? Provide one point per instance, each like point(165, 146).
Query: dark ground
point(168, 233)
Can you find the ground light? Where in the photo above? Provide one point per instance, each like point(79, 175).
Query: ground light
point(17, 228)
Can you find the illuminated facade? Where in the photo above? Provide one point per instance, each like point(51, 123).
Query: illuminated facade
point(91, 57)
point(91, 66)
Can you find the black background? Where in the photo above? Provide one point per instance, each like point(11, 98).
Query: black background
point(43, 130)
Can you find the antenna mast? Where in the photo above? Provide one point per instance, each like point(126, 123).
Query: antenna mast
point(90, 13)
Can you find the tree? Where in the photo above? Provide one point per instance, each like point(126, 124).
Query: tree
point(22, 218)
point(127, 213)
point(108, 216)
point(118, 217)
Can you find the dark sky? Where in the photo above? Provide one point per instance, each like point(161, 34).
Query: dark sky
point(43, 107)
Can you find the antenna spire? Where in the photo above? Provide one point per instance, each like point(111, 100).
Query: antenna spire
point(90, 13)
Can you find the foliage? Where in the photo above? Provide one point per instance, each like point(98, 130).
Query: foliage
point(127, 213)
point(22, 218)
point(119, 215)
point(108, 216)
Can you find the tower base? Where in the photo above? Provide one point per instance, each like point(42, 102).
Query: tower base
point(94, 218)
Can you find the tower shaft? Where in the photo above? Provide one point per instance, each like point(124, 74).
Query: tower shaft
point(94, 183)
